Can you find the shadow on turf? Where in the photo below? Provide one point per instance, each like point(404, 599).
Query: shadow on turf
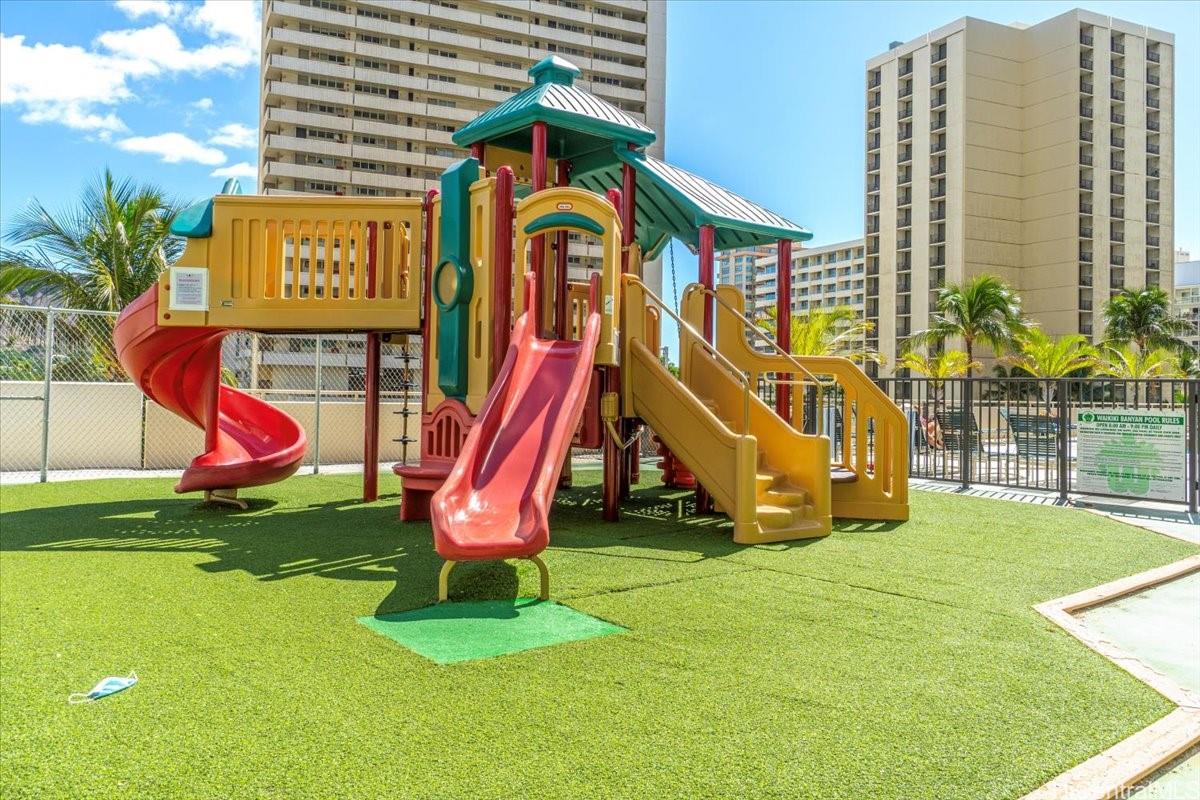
point(346, 540)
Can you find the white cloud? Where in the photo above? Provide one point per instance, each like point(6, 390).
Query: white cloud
point(173, 148)
point(204, 104)
point(135, 9)
point(235, 134)
point(234, 20)
point(157, 49)
point(242, 169)
point(81, 88)
point(61, 83)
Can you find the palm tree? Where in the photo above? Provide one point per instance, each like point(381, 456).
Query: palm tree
point(836, 331)
point(946, 364)
point(101, 254)
point(1144, 317)
point(1042, 356)
point(983, 309)
point(1123, 361)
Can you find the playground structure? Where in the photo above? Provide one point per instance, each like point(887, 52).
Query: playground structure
point(520, 363)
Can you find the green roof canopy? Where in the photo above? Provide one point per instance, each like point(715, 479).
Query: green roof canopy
point(577, 121)
point(672, 202)
point(599, 139)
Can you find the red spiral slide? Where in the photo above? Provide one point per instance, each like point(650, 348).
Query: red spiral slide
point(253, 443)
point(495, 502)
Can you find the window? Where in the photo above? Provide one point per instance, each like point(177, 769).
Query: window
point(369, 166)
point(501, 87)
point(507, 64)
point(443, 54)
point(437, 76)
point(321, 186)
point(366, 37)
point(367, 63)
point(437, 101)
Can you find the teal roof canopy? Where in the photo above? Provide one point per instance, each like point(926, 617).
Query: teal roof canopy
point(672, 202)
point(578, 122)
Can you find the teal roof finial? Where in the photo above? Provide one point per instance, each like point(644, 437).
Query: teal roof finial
point(553, 69)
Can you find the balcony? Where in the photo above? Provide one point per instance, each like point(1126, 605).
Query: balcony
point(1151, 101)
point(1085, 183)
point(872, 205)
point(938, 145)
point(1152, 171)
point(1116, 163)
point(1085, 159)
point(905, 155)
point(1085, 207)
point(1116, 235)
point(1085, 232)
point(873, 102)
point(1118, 72)
point(1118, 46)
point(938, 53)
point(1085, 63)
point(873, 250)
point(937, 76)
point(1152, 148)
point(1085, 85)
point(1085, 134)
point(905, 91)
point(937, 191)
point(937, 99)
point(937, 121)
point(1116, 94)
point(904, 220)
point(1117, 117)
point(905, 131)
point(1152, 124)
point(904, 197)
point(873, 142)
point(873, 122)
point(937, 215)
point(1118, 260)
point(1151, 194)
point(1085, 277)
point(1153, 55)
point(1085, 301)
point(1152, 263)
point(873, 186)
point(904, 261)
point(1086, 39)
point(906, 68)
point(873, 226)
point(938, 259)
point(1117, 212)
point(1116, 280)
point(1085, 256)
point(904, 243)
point(904, 112)
point(1152, 78)
point(875, 81)
point(1152, 217)
point(873, 162)
point(1116, 187)
point(938, 238)
point(938, 166)
point(1118, 141)
point(1085, 110)
point(1153, 241)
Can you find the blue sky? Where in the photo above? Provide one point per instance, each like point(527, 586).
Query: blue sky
point(765, 98)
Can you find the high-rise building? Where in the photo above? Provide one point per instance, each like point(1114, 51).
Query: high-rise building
point(360, 97)
point(1041, 154)
point(1185, 297)
point(822, 277)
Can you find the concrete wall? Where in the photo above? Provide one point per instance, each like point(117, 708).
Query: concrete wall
point(99, 426)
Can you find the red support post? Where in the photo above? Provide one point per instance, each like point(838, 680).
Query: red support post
point(708, 235)
point(613, 455)
point(371, 384)
point(632, 466)
point(537, 261)
point(783, 320)
point(561, 317)
point(502, 268)
point(477, 152)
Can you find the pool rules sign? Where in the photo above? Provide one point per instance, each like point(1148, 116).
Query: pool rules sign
point(1132, 452)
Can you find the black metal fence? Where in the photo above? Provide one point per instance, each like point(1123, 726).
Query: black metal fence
point(1021, 433)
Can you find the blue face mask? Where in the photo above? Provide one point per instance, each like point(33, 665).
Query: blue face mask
point(104, 688)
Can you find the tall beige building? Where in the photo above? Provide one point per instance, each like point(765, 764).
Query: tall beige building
point(1042, 154)
point(360, 97)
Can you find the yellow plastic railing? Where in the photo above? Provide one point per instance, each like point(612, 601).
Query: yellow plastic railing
point(312, 263)
point(874, 430)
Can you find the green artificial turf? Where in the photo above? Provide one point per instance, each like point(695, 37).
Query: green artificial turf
point(885, 661)
point(450, 632)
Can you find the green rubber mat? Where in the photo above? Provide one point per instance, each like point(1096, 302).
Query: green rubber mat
point(451, 632)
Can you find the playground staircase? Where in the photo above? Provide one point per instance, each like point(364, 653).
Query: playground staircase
point(781, 508)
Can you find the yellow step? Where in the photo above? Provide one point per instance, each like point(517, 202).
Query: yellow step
point(785, 495)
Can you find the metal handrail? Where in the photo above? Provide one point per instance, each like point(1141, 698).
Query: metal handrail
point(757, 331)
point(683, 324)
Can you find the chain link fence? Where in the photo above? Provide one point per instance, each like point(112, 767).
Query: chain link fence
point(67, 407)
